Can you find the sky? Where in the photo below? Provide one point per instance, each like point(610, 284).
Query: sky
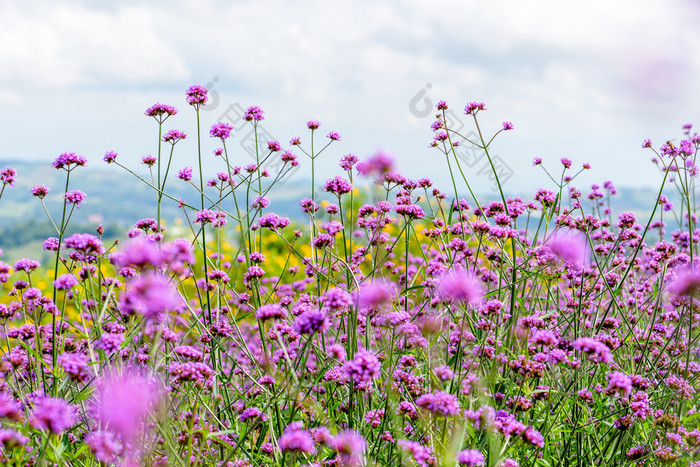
point(586, 80)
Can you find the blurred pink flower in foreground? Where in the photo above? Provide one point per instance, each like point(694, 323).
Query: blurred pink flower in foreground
point(124, 401)
point(569, 246)
point(461, 286)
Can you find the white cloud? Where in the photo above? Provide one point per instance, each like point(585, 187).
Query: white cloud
point(607, 72)
point(58, 45)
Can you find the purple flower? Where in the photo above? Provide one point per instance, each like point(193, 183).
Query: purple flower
point(221, 130)
point(379, 164)
point(473, 107)
point(11, 439)
point(348, 161)
point(295, 439)
point(51, 244)
point(173, 136)
point(333, 136)
point(312, 125)
point(260, 202)
point(270, 311)
point(110, 156)
point(104, 445)
point(160, 111)
point(254, 113)
point(597, 351)
point(274, 146)
point(619, 383)
point(196, 96)
point(65, 282)
point(507, 126)
point(188, 352)
point(185, 174)
point(8, 176)
point(351, 447)
point(123, 401)
point(308, 206)
point(139, 253)
point(288, 156)
point(439, 403)
point(471, 458)
point(272, 221)
point(150, 295)
point(9, 408)
point(207, 216)
point(375, 293)
point(52, 414)
point(40, 191)
point(109, 342)
point(363, 368)
point(336, 299)
point(69, 161)
point(686, 283)
point(76, 197)
point(197, 373)
point(338, 185)
point(149, 160)
point(461, 286)
point(423, 455)
point(27, 265)
point(311, 322)
point(626, 220)
point(75, 366)
point(534, 437)
point(569, 246)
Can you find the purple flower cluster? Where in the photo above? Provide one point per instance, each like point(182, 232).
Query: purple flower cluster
point(75, 197)
point(52, 414)
point(196, 96)
point(8, 176)
point(439, 403)
point(68, 161)
point(363, 368)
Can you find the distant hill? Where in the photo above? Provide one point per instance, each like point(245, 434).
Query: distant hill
point(117, 200)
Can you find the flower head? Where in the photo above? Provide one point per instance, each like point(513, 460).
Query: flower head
point(461, 286)
point(569, 246)
point(69, 161)
point(160, 111)
point(351, 447)
point(52, 414)
point(150, 295)
point(254, 114)
point(296, 440)
point(110, 156)
point(471, 458)
point(221, 130)
point(440, 403)
point(8, 176)
point(196, 96)
point(173, 136)
point(75, 197)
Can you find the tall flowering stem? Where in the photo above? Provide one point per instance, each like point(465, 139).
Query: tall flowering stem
point(197, 97)
point(160, 112)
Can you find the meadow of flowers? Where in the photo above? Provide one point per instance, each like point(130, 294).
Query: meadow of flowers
point(396, 325)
